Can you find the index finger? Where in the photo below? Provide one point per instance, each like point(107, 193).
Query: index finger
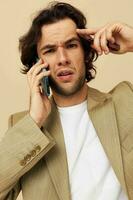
point(88, 31)
point(39, 62)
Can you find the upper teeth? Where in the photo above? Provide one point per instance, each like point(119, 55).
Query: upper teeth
point(64, 73)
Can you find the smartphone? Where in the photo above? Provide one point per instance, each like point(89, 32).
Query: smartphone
point(45, 82)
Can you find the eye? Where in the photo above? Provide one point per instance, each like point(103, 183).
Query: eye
point(72, 45)
point(49, 51)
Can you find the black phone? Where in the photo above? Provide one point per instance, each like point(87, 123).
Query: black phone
point(45, 82)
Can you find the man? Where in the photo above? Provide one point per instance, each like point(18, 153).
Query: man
point(78, 144)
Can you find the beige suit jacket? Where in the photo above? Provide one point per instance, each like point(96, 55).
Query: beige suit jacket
point(34, 160)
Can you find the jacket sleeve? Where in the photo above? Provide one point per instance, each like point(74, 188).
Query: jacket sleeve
point(21, 148)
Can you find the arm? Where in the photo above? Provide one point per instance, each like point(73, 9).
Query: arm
point(114, 37)
point(25, 144)
point(22, 147)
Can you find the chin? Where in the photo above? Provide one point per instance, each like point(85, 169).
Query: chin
point(67, 89)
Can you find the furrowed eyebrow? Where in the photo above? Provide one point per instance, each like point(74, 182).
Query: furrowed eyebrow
point(48, 46)
point(51, 46)
point(74, 39)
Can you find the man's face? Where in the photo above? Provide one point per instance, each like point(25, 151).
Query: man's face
point(61, 48)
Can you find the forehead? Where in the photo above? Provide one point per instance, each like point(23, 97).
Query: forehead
point(58, 32)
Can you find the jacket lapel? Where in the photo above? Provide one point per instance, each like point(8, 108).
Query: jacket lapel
point(102, 113)
point(56, 158)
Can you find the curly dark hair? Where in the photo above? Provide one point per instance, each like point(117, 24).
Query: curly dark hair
point(54, 12)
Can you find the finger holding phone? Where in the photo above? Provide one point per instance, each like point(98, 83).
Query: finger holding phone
point(40, 106)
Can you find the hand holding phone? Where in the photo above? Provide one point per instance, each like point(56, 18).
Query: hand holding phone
point(40, 106)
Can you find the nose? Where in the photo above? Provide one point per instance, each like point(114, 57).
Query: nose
point(62, 57)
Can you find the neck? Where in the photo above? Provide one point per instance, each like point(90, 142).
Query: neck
point(77, 98)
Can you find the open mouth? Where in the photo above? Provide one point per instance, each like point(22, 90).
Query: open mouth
point(65, 75)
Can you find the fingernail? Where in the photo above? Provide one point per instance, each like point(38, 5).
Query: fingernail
point(106, 52)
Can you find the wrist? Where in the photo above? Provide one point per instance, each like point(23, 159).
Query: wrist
point(38, 121)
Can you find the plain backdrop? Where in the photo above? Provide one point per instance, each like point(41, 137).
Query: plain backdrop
point(15, 19)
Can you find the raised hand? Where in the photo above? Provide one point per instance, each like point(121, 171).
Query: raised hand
point(113, 37)
point(40, 106)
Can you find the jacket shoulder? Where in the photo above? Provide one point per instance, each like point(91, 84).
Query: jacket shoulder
point(122, 96)
point(122, 90)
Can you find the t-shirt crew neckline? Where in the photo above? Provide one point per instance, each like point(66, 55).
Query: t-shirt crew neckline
point(77, 107)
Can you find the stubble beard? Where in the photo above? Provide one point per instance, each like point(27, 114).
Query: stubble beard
point(67, 91)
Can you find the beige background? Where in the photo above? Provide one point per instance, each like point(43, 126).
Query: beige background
point(15, 18)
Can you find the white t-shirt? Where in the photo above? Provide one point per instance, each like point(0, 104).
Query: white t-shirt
point(90, 173)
